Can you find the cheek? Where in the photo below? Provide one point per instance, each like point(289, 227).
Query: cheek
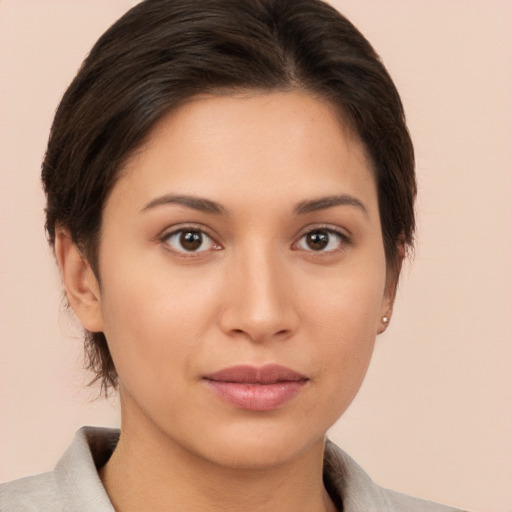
point(155, 320)
point(348, 303)
point(343, 320)
point(345, 341)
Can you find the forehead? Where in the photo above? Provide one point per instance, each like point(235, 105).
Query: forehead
point(230, 146)
point(256, 116)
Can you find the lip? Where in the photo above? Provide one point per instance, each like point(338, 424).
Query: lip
point(254, 388)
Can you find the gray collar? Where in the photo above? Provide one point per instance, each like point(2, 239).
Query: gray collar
point(80, 488)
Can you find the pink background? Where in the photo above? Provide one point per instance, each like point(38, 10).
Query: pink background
point(434, 417)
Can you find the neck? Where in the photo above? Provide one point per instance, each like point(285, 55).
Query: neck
point(148, 471)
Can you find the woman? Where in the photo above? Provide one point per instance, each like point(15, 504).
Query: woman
point(230, 191)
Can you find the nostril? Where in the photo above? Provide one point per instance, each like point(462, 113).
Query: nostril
point(253, 335)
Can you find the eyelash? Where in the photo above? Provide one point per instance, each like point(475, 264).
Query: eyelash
point(165, 239)
point(343, 240)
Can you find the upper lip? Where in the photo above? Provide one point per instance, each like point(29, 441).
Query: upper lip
point(247, 374)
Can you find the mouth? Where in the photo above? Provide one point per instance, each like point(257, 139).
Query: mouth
point(256, 388)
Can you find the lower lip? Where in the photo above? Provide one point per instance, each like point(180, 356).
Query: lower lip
point(257, 397)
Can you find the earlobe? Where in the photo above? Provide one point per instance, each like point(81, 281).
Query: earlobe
point(82, 288)
point(393, 273)
point(388, 302)
point(384, 320)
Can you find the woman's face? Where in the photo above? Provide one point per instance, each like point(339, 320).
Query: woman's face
point(245, 234)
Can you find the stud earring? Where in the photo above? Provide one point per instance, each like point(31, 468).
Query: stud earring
point(385, 320)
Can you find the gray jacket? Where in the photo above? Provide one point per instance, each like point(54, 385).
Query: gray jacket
point(74, 484)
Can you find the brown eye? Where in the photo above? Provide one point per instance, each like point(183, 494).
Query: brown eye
point(321, 240)
point(189, 240)
point(318, 240)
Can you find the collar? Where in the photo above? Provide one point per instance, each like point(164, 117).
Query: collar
point(80, 487)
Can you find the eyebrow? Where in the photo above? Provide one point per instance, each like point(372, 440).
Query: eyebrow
point(207, 206)
point(322, 203)
point(196, 203)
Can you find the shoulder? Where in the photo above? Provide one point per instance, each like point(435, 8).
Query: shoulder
point(350, 484)
point(73, 485)
point(31, 494)
point(404, 503)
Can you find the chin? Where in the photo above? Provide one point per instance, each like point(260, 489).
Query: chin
point(258, 446)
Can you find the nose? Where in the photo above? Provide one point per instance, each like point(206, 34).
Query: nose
point(259, 302)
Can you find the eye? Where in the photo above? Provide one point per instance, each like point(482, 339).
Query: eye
point(190, 241)
point(321, 240)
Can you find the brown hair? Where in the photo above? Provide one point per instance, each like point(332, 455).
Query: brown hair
point(162, 52)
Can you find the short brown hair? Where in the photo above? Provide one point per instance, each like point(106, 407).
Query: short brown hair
point(163, 52)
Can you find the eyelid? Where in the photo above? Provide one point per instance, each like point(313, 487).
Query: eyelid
point(345, 236)
point(333, 228)
point(173, 230)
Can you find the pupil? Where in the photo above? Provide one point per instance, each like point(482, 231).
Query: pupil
point(191, 240)
point(318, 240)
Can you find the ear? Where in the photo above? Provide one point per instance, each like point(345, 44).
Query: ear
point(388, 299)
point(386, 311)
point(82, 287)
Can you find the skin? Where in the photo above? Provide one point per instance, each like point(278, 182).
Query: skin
point(254, 293)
